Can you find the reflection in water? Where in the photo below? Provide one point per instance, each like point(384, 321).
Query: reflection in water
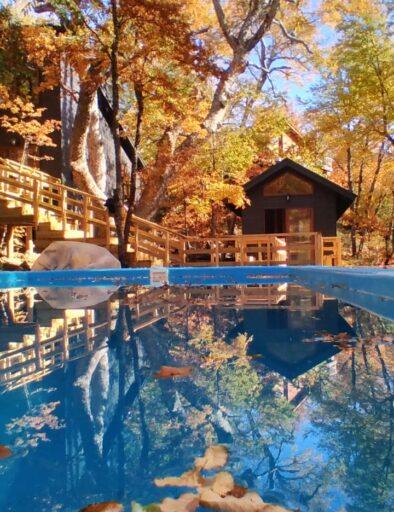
point(309, 423)
point(74, 298)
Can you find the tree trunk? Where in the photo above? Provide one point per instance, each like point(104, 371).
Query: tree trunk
point(155, 186)
point(96, 152)
point(134, 170)
point(78, 154)
point(119, 195)
point(168, 158)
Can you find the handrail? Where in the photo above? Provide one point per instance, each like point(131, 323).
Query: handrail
point(29, 172)
point(80, 210)
point(153, 225)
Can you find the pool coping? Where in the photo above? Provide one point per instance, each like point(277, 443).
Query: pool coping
point(367, 280)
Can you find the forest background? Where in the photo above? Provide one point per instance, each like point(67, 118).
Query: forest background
point(204, 89)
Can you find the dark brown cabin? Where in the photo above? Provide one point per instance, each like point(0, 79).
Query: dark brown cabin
point(289, 198)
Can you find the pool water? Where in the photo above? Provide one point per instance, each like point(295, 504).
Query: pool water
point(296, 384)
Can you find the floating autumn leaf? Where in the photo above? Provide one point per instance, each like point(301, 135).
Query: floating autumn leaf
point(171, 372)
point(214, 457)
point(342, 336)
point(191, 478)
point(5, 452)
point(106, 506)
point(185, 503)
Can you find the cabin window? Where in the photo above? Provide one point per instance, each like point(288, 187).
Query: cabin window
point(288, 184)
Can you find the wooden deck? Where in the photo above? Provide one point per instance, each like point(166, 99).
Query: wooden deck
point(50, 211)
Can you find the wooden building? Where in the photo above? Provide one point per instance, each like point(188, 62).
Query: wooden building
point(289, 198)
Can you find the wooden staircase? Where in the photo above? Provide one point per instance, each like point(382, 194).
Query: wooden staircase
point(51, 211)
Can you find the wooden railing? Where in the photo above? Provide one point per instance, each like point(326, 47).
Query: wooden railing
point(331, 251)
point(85, 215)
point(75, 209)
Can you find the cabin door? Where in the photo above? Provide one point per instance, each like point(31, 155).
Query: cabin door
point(299, 220)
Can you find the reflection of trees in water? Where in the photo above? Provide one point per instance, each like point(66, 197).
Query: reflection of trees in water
point(124, 428)
point(354, 415)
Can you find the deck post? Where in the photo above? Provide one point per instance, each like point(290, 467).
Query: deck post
point(241, 251)
point(137, 233)
point(217, 251)
point(107, 229)
point(36, 201)
point(63, 206)
point(318, 249)
point(85, 213)
point(338, 247)
point(167, 250)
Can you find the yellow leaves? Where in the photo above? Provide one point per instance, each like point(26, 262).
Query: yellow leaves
point(23, 118)
point(218, 352)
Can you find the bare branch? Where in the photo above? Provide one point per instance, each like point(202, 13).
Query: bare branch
point(265, 25)
point(291, 37)
point(223, 24)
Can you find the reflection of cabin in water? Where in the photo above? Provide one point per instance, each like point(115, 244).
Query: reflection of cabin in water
point(279, 334)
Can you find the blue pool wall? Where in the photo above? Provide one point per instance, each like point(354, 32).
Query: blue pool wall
point(365, 287)
point(364, 279)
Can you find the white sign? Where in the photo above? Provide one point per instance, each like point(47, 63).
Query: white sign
point(158, 276)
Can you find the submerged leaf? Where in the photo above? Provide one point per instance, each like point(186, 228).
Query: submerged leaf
point(5, 452)
point(170, 372)
point(221, 484)
point(214, 457)
point(250, 502)
point(136, 507)
point(191, 478)
point(106, 506)
point(185, 503)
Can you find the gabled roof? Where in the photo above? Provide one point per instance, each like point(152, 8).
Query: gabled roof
point(345, 197)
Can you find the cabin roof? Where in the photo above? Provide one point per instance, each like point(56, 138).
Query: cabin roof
point(345, 197)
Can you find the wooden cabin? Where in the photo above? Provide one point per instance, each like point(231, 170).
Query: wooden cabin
point(289, 198)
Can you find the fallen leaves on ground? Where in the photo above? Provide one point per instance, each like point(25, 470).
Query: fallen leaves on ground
point(106, 506)
point(5, 452)
point(170, 372)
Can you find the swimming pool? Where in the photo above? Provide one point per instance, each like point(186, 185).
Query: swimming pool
point(294, 381)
